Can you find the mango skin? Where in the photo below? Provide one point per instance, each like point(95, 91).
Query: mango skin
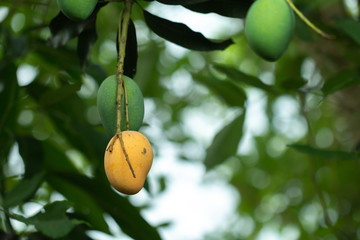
point(106, 104)
point(140, 156)
point(269, 28)
point(77, 10)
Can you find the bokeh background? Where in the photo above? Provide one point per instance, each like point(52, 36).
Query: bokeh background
point(244, 148)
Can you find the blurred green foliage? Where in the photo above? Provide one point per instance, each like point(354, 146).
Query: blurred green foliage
point(291, 148)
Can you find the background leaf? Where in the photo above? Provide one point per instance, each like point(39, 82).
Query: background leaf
point(117, 206)
point(351, 28)
point(131, 51)
point(181, 2)
point(228, 8)
point(325, 154)
point(86, 40)
point(23, 191)
point(182, 35)
point(341, 80)
point(225, 143)
point(232, 94)
point(240, 77)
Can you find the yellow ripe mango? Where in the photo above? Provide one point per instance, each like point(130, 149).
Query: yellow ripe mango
point(140, 156)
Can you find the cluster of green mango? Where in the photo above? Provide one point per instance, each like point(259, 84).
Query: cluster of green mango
point(269, 26)
point(78, 10)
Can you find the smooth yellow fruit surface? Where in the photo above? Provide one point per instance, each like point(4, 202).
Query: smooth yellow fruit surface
point(269, 26)
point(117, 169)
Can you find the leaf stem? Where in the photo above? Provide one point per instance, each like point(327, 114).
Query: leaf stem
point(308, 22)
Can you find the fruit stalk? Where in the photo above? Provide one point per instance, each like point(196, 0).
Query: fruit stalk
point(124, 20)
point(126, 107)
point(308, 22)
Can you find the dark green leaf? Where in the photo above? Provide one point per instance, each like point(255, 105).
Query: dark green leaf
point(55, 60)
point(288, 73)
point(56, 159)
point(232, 94)
point(228, 8)
point(15, 46)
point(68, 116)
point(54, 96)
point(225, 143)
point(351, 28)
point(54, 222)
point(126, 215)
point(84, 203)
point(240, 77)
point(86, 40)
point(131, 54)
point(19, 217)
point(326, 154)
point(182, 35)
point(341, 80)
point(9, 96)
point(63, 29)
point(23, 191)
point(182, 2)
point(32, 153)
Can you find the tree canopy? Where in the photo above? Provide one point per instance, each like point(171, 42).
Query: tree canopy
point(284, 135)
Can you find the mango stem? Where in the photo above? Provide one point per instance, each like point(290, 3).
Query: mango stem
point(308, 22)
point(124, 20)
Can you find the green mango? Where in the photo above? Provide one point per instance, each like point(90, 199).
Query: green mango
point(106, 104)
point(269, 27)
point(77, 10)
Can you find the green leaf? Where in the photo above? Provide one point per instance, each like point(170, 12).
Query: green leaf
point(63, 29)
point(9, 97)
point(32, 153)
point(84, 203)
point(56, 159)
point(182, 35)
point(326, 154)
point(341, 80)
point(232, 94)
point(126, 215)
point(181, 2)
point(351, 28)
point(86, 40)
point(288, 73)
point(131, 54)
point(227, 8)
point(225, 143)
point(23, 191)
point(53, 222)
point(51, 97)
point(147, 78)
point(240, 77)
